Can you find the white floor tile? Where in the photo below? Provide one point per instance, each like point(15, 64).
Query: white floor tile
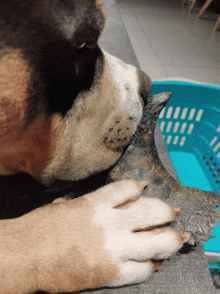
point(170, 42)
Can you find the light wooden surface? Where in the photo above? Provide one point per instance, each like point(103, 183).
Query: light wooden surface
point(202, 10)
point(204, 7)
point(193, 5)
point(185, 2)
point(217, 24)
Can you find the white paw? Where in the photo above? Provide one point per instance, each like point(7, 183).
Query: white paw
point(133, 229)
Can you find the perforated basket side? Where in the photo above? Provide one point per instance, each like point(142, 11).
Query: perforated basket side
point(188, 128)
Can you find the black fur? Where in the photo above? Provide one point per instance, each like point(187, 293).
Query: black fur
point(60, 68)
point(60, 71)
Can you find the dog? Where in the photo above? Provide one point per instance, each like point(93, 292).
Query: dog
point(67, 111)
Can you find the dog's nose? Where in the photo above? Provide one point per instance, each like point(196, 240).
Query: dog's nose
point(145, 85)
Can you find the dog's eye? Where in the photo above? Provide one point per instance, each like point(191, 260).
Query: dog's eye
point(88, 44)
point(80, 46)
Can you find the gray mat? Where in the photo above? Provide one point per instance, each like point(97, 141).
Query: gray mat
point(183, 274)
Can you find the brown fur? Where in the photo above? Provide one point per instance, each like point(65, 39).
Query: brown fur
point(15, 76)
point(101, 8)
point(33, 147)
point(48, 250)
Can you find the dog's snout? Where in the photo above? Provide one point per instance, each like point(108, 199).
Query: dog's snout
point(145, 85)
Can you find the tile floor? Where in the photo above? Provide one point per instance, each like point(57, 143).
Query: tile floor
point(169, 42)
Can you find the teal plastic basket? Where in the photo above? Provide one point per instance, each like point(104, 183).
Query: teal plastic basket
point(190, 124)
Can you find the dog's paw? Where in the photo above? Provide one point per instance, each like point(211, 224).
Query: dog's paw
point(135, 230)
point(110, 237)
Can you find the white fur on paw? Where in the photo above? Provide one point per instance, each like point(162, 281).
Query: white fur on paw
point(132, 272)
point(133, 229)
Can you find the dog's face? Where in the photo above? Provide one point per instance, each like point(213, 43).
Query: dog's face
point(67, 109)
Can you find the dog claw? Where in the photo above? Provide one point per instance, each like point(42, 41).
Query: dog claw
point(143, 184)
point(185, 237)
point(176, 211)
point(158, 266)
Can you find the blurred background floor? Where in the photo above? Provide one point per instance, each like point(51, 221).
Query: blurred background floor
point(169, 42)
